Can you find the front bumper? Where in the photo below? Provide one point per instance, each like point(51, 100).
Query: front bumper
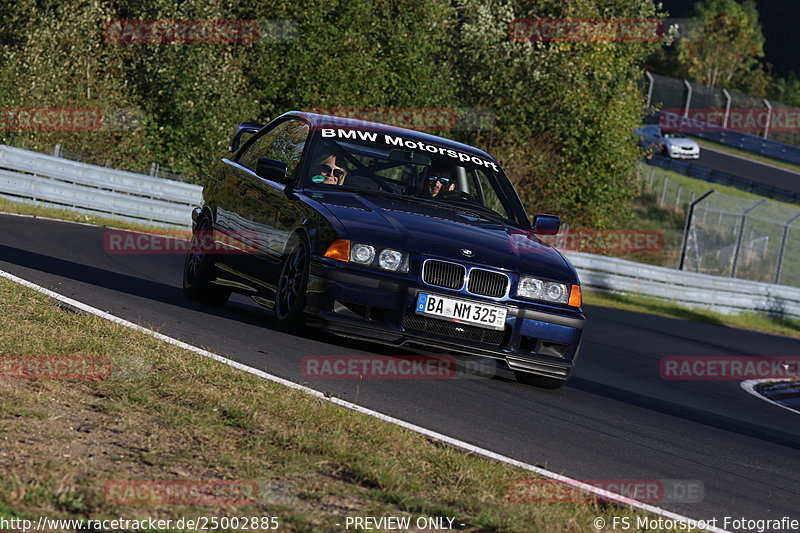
point(681, 154)
point(381, 307)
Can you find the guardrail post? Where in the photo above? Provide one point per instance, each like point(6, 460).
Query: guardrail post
point(783, 246)
point(686, 228)
point(769, 117)
point(57, 150)
point(727, 108)
point(154, 170)
point(663, 198)
point(741, 235)
point(688, 98)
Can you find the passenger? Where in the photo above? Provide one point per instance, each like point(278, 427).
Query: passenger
point(333, 168)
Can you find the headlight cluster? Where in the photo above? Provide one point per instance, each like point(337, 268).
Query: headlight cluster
point(368, 255)
point(549, 291)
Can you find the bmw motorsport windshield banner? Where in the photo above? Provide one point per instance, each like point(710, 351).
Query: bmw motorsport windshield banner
point(396, 140)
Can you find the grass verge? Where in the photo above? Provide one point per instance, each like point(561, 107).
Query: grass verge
point(7, 206)
point(168, 414)
point(642, 304)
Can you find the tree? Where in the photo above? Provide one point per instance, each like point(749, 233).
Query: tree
point(566, 111)
point(730, 51)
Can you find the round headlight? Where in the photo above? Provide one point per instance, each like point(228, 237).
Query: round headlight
point(362, 253)
point(390, 259)
point(530, 288)
point(556, 292)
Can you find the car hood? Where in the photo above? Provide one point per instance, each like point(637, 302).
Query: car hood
point(444, 232)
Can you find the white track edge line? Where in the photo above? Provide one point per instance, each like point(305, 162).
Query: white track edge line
point(363, 410)
point(750, 387)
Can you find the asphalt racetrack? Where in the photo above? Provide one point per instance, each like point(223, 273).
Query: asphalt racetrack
point(617, 419)
point(750, 169)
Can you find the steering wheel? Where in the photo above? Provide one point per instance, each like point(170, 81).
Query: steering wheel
point(457, 195)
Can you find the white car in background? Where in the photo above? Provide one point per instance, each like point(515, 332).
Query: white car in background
point(670, 144)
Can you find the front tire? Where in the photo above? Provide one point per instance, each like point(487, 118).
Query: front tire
point(198, 268)
point(290, 292)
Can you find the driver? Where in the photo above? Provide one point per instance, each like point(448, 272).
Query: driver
point(439, 179)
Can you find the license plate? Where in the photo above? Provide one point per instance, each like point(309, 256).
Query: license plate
point(485, 316)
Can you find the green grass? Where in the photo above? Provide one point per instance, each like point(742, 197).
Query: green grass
point(749, 155)
point(642, 304)
point(168, 414)
point(20, 208)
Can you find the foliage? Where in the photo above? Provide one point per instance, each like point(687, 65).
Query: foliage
point(786, 90)
point(565, 110)
point(730, 51)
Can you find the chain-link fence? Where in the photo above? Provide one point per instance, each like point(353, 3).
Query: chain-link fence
point(658, 189)
point(717, 109)
point(732, 236)
point(744, 238)
point(668, 193)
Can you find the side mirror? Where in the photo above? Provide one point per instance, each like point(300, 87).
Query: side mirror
point(546, 224)
point(271, 169)
point(244, 127)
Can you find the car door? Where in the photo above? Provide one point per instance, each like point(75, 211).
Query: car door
point(264, 213)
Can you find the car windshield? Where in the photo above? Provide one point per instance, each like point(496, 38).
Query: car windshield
point(411, 169)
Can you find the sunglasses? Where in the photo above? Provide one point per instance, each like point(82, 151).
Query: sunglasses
point(445, 180)
point(335, 172)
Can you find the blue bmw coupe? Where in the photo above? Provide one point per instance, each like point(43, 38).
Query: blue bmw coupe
point(389, 235)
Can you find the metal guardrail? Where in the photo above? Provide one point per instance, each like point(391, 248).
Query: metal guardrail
point(724, 295)
point(724, 178)
point(754, 144)
point(42, 179)
point(46, 180)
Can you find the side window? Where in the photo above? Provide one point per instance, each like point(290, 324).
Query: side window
point(484, 191)
point(285, 143)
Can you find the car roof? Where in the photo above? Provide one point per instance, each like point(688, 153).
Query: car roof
point(330, 121)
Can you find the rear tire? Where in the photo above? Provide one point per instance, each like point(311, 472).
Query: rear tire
point(542, 382)
point(290, 292)
point(198, 268)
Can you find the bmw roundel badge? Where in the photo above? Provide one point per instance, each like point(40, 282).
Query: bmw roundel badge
point(467, 252)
